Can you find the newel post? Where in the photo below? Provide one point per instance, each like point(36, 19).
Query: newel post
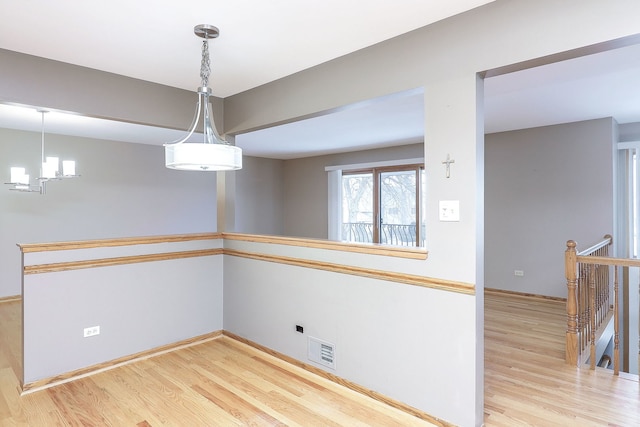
point(570, 263)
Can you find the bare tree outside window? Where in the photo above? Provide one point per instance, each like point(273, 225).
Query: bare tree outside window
point(357, 207)
point(383, 206)
point(398, 208)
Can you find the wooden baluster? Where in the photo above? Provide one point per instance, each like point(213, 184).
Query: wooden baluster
point(597, 288)
point(571, 346)
point(592, 315)
point(606, 289)
point(580, 308)
point(603, 307)
point(616, 325)
point(579, 305)
point(607, 296)
point(585, 307)
point(605, 252)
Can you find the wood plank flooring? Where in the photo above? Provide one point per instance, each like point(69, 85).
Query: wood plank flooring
point(225, 383)
point(218, 383)
point(527, 381)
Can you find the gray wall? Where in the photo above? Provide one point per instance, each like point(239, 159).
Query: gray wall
point(259, 196)
point(629, 132)
point(544, 186)
point(55, 85)
point(306, 186)
point(389, 337)
point(124, 190)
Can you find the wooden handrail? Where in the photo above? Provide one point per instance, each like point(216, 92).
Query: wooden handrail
point(605, 260)
point(607, 241)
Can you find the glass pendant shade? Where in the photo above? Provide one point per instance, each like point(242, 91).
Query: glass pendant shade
point(203, 157)
point(19, 176)
point(50, 167)
point(68, 168)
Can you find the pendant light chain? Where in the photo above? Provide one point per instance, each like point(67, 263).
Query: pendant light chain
point(205, 66)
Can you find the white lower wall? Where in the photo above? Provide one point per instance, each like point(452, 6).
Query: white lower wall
point(410, 343)
point(138, 307)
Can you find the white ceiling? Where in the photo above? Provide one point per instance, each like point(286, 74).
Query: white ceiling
point(260, 41)
point(590, 87)
point(144, 40)
point(606, 84)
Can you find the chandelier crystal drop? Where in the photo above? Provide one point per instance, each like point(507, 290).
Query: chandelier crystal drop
point(213, 153)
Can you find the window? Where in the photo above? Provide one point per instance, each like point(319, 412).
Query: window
point(383, 205)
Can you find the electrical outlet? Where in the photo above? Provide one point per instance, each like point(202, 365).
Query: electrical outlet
point(93, 330)
point(518, 273)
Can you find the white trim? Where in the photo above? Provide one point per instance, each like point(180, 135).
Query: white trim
point(335, 205)
point(401, 162)
point(627, 145)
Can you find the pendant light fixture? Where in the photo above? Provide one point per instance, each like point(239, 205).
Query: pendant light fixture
point(50, 170)
point(213, 153)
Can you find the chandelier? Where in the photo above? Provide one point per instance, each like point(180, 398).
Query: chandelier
point(213, 153)
point(49, 171)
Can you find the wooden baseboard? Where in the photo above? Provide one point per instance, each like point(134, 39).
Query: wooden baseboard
point(101, 367)
point(341, 381)
point(522, 294)
point(11, 298)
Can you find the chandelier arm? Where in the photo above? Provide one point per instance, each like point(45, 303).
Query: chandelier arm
point(210, 130)
point(42, 140)
point(194, 123)
point(208, 125)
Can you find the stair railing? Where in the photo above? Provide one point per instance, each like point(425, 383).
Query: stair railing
point(589, 308)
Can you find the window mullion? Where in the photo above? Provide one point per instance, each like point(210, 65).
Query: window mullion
point(376, 205)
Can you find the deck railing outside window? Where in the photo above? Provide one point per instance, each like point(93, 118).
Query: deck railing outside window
point(390, 234)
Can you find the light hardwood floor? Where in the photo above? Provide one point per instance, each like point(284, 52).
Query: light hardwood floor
point(219, 383)
point(227, 383)
point(527, 381)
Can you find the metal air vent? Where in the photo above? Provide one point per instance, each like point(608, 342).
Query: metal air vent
point(322, 352)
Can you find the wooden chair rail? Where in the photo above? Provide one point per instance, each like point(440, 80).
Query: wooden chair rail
point(364, 248)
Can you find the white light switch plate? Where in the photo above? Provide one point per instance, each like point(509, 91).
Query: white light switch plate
point(449, 210)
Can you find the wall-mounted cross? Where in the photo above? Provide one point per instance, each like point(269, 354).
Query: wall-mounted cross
point(448, 163)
